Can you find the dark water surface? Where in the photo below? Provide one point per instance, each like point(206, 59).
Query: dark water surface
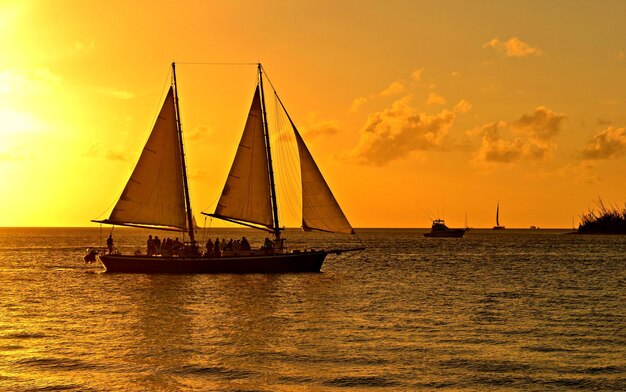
point(510, 310)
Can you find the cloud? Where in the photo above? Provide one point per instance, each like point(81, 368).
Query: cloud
point(28, 81)
point(83, 46)
point(417, 75)
point(394, 88)
point(542, 124)
point(435, 99)
point(494, 148)
point(18, 122)
point(534, 137)
point(586, 172)
point(357, 103)
point(463, 106)
point(199, 174)
point(605, 144)
point(198, 133)
point(514, 47)
point(321, 130)
point(116, 93)
point(398, 131)
point(6, 156)
point(609, 102)
point(619, 56)
point(98, 150)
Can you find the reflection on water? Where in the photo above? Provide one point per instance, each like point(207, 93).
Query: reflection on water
point(509, 310)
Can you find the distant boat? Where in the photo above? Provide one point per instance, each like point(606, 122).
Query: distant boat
point(157, 197)
point(497, 226)
point(439, 229)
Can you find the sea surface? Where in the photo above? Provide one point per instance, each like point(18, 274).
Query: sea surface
point(513, 310)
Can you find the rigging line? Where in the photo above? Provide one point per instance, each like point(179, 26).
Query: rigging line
point(289, 149)
point(359, 238)
point(213, 63)
point(287, 181)
point(213, 202)
point(290, 152)
point(268, 78)
point(204, 231)
point(291, 173)
point(277, 99)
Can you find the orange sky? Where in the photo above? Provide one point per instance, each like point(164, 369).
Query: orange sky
point(410, 108)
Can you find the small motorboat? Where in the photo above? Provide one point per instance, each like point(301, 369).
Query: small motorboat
point(439, 229)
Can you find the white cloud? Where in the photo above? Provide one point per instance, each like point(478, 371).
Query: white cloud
point(535, 134)
point(357, 103)
point(399, 131)
point(394, 88)
point(435, 99)
point(28, 81)
point(605, 144)
point(99, 150)
point(513, 47)
point(116, 93)
point(83, 46)
point(417, 74)
point(463, 106)
point(321, 130)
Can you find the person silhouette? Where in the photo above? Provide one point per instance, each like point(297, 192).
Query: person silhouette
point(110, 244)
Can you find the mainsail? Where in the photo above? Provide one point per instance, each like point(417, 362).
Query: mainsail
point(154, 194)
point(246, 195)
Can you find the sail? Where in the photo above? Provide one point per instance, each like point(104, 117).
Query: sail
point(246, 195)
point(154, 193)
point(498, 214)
point(320, 210)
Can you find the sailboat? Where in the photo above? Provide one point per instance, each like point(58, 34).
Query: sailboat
point(157, 197)
point(497, 226)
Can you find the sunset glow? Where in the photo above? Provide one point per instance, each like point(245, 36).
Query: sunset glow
point(411, 109)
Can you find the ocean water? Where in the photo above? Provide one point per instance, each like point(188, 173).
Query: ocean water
point(511, 310)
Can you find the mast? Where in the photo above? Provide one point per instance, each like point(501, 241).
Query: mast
point(182, 158)
point(269, 157)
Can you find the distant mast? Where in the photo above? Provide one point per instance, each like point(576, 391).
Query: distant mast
point(182, 158)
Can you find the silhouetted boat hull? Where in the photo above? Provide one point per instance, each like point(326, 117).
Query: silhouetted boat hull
point(278, 263)
point(452, 233)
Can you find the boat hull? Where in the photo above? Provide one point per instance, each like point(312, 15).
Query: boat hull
point(279, 263)
point(450, 233)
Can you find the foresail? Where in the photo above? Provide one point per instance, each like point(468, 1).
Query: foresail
point(246, 195)
point(154, 193)
point(320, 210)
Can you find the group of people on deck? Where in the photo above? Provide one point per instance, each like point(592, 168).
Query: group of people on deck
point(166, 247)
point(155, 246)
point(216, 248)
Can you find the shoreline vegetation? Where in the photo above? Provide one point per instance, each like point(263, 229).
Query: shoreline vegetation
point(603, 220)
